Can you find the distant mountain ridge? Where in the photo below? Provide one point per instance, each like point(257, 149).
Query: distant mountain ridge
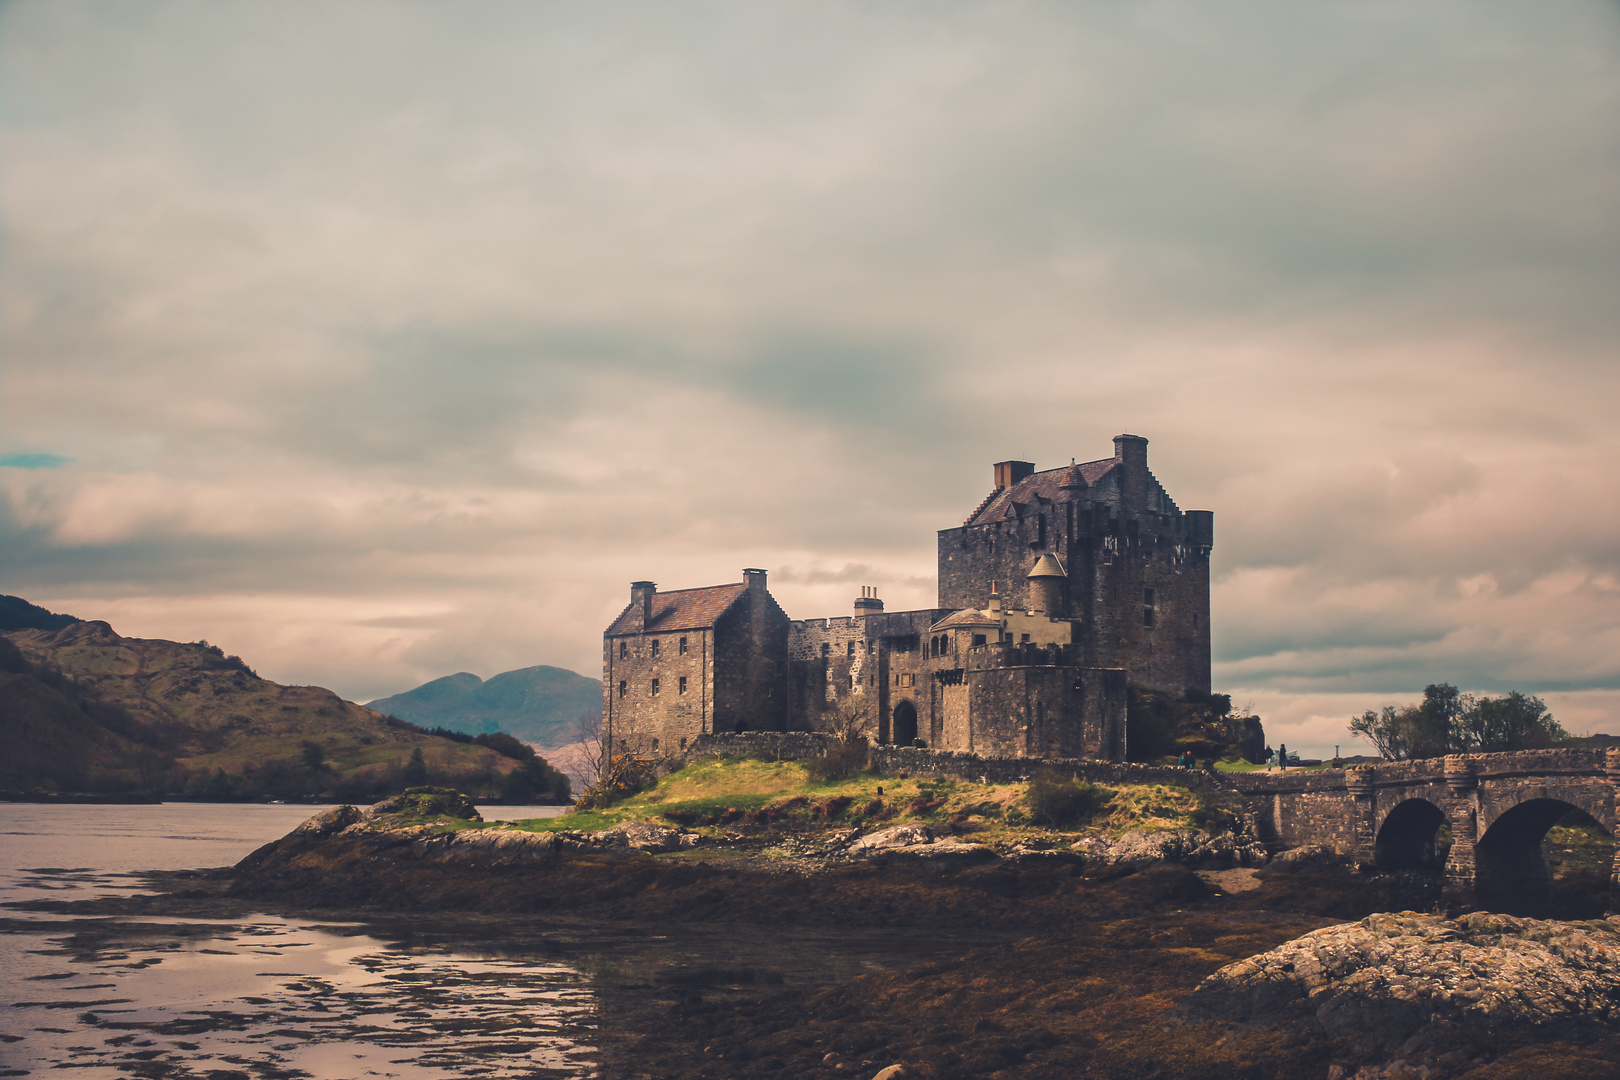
point(539, 704)
point(18, 614)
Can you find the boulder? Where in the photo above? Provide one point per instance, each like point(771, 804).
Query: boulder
point(1426, 988)
point(900, 836)
point(328, 822)
point(641, 836)
point(1140, 848)
point(906, 843)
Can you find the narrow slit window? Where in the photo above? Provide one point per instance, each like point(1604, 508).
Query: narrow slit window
point(624, 687)
point(681, 648)
point(655, 687)
point(1147, 617)
point(624, 650)
point(655, 648)
point(681, 686)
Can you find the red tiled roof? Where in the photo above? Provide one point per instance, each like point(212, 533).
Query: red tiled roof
point(682, 609)
point(1045, 484)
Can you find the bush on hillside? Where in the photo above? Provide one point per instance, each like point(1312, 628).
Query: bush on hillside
point(1059, 802)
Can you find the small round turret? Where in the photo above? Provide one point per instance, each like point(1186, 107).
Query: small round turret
point(1046, 582)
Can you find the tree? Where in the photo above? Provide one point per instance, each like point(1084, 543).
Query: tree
point(416, 773)
point(590, 763)
point(1448, 721)
point(313, 754)
point(1510, 722)
point(505, 745)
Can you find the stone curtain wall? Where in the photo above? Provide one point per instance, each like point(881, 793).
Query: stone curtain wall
point(944, 764)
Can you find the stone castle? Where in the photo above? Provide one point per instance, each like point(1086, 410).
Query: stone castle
point(1063, 587)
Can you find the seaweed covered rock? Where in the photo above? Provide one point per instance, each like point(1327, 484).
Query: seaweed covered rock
point(427, 802)
point(1429, 991)
point(1141, 848)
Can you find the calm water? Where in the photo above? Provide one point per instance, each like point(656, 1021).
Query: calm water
point(263, 996)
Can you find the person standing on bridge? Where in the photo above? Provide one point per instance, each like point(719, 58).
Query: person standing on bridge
point(1271, 757)
point(1282, 757)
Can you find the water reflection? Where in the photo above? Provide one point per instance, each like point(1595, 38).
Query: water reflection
point(264, 997)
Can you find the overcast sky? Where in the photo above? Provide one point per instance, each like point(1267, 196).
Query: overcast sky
point(376, 342)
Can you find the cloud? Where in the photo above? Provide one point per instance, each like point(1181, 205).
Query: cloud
point(33, 461)
point(392, 341)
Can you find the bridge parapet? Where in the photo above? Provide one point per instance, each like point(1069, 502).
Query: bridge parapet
point(1388, 814)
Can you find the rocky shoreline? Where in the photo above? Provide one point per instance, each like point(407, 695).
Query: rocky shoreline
point(1136, 957)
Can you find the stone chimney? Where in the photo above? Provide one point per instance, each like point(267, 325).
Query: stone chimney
point(641, 598)
point(1009, 473)
point(754, 579)
point(1131, 449)
point(868, 603)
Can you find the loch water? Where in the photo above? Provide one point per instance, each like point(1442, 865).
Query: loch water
point(99, 980)
point(262, 995)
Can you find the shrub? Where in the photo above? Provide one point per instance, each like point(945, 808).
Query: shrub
point(1057, 802)
point(623, 776)
point(843, 759)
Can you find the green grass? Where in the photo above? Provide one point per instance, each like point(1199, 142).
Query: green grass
point(1247, 767)
point(777, 797)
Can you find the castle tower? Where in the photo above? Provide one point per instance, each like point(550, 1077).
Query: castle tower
point(1047, 586)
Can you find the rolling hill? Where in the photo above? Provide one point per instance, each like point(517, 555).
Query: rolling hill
point(540, 705)
point(83, 708)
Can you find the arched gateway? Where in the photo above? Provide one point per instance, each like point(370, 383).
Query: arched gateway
point(1498, 808)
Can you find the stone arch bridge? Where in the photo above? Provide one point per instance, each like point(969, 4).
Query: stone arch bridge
point(1498, 807)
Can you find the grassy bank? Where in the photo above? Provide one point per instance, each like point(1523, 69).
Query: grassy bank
point(749, 797)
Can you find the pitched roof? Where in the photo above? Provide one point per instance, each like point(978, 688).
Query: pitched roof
point(969, 617)
point(1045, 484)
point(682, 609)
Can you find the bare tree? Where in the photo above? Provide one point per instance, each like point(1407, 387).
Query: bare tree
point(588, 762)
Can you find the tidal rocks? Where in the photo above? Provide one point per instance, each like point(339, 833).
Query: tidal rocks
point(1139, 849)
point(915, 843)
point(1427, 989)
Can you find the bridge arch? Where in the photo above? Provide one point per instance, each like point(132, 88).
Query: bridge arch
point(1509, 857)
point(1408, 838)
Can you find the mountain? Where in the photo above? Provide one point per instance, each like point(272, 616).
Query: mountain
point(83, 708)
point(541, 705)
point(18, 614)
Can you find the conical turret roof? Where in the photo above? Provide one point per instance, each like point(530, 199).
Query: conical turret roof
point(1047, 566)
point(1073, 477)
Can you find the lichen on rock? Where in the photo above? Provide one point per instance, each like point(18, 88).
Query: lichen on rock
point(1423, 986)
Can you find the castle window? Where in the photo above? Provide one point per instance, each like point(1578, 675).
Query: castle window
point(655, 687)
point(851, 650)
point(826, 648)
point(683, 742)
point(1147, 617)
point(624, 688)
point(1023, 639)
point(682, 647)
point(624, 650)
point(655, 648)
point(681, 686)
point(1147, 597)
point(978, 640)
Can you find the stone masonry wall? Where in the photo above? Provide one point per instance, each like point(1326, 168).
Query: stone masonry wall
point(913, 762)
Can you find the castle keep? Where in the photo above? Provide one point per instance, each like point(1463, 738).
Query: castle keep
point(1061, 588)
